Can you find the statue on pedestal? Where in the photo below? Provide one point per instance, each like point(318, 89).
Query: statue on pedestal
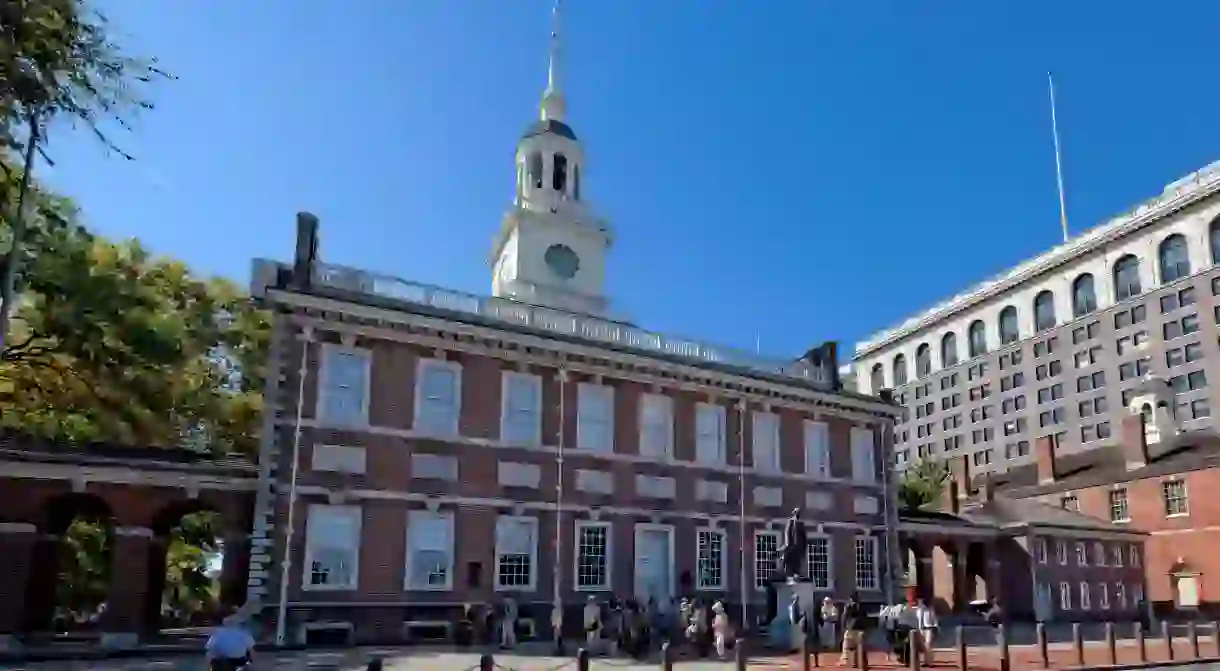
point(793, 552)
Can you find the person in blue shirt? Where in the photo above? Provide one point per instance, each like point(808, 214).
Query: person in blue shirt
point(230, 646)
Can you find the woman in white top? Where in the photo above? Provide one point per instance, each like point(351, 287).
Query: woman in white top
point(830, 618)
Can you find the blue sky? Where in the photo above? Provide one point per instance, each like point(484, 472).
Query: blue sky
point(796, 170)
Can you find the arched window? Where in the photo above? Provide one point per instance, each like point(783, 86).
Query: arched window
point(977, 337)
point(1044, 310)
point(559, 174)
point(948, 350)
point(535, 169)
point(923, 360)
point(878, 378)
point(1213, 234)
point(575, 181)
point(1084, 298)
point(1127, 277)
point(1174, 258)
point(1008, 325)
point(900, 370)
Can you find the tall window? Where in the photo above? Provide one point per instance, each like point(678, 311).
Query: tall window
point(819, 558)
point(923, 360)
point(1009, 332)
point(1065, 596)
point(1174, 258)
point(1119, 508)
point(900, 370)
point(1085, 601)
point(332, 547)
point(534, 167)
point(1175, 497)
point(516, 553)
point(712, 559)
point(866, 562)
point(766, 550)
point(521, 409)
point(1084, 297)
point(595, 417)
point(429, 550)
point(878, 378)
point(559, 174)
point(863, 455)
point(592, 556)
point(1127, 277)
point(948, 350)
point(438, 397)
point(710, 434)
point(1044, 311)
point(1213, 234)
point(977, 335)
point(656, 426)
point(765, 441)
point(817, 448)
point(344, 395)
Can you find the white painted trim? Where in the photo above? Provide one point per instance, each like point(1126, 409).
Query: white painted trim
point(723, 533)
point(640, 529)
point(534, 568)
point(161, 477)
point(549, 506)
point(948, 530)
point(876, 551)
point(350, 510)
point(455, 428)
point(366, 357)
point(535, 381)
point(588, 524)
point(407, 585)
point(722, 382)
point(17, 528)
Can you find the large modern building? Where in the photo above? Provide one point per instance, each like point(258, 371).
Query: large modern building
point(428, 448)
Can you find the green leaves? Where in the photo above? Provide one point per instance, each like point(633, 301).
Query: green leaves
point(922, 484)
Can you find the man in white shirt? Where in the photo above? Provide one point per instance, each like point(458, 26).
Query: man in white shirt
point(927, 624)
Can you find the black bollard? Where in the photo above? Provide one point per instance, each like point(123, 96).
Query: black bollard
point(740, 658)
point(914, 640)
point(667, 657)
point(1078, 643)
point(1001, 640)
point(804, 648)
point(375, 664)
point(962, 657)
point(1167, 634)
point(1140, 645)
point(582, 660)
point(1044, 652)
point(487, 663)
point(1192, 634)
point(1111, 644)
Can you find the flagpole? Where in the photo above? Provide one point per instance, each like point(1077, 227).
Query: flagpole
point(1063, 217)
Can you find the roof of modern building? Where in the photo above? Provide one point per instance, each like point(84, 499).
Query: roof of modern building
point(1176, 195)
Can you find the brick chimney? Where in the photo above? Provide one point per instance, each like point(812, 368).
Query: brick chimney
point(1044, 453)
point(1133, 440)
point(306, 250)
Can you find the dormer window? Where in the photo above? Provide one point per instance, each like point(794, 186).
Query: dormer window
point(535, 169)
point(559, 174)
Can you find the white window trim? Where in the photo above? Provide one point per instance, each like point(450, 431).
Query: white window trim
point(830, 561)
point(533, 578)
point(452, 552)
point(876, 564)
point(420, 372)
point(754, 553)
point(1040, 551)
point(366, 356)
point(724, 560)
point(666, 403)
point(582, 429)
point(583, 524)
point(721, 451)
point(535, 381)
point(640, 529)
point(1082, 553)
point(1065, 590)
point(347, 510)
point(1086, 599)
point(1103, 596)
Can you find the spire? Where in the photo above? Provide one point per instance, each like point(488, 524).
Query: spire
point(552, 98)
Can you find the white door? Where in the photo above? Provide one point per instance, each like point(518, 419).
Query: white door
point(652, 577)
point(1188, 591)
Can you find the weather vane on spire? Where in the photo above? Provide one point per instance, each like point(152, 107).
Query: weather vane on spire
point(552, 98)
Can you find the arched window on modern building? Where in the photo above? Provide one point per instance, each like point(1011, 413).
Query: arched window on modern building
point(1174, 258)
point(1044, 310)
point(559, 173)
point(948, 350)
point(878, 378)
point(1127, 278)
point(977, 338)
point(1009, 331)
point(923, 361)
point(900, 370)
point(1084, 298)
point(535, 169)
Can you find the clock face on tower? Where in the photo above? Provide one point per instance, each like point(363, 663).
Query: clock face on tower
point(562, 261)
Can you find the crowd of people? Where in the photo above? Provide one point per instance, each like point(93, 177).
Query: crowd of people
point(636, 629)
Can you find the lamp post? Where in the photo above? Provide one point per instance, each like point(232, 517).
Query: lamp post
point(281, 625)
point(741, 479)
point(556, 597)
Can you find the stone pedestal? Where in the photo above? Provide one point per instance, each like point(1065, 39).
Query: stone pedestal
point(780, 631)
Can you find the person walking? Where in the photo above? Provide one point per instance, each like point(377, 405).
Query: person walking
point(927, 626)
point(829, 615)
point(852, 624)
point(721, 629)
point(593, 623)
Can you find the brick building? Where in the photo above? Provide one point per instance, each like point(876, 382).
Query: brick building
point(1152, 481)
point(444, 448)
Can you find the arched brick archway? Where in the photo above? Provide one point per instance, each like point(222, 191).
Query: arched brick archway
point(140, 494)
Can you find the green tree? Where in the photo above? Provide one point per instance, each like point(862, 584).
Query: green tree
point(922, 484)
point(84, 568)
point(191, 589)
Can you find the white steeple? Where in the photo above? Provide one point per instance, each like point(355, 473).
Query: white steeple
point(553, 107)
point(551, 248)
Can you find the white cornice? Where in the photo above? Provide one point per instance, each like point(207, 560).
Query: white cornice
point(1184, 192)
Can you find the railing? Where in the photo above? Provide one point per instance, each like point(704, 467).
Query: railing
point(563, 323)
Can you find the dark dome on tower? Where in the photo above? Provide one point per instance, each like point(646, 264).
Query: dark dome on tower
point(551, 126)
